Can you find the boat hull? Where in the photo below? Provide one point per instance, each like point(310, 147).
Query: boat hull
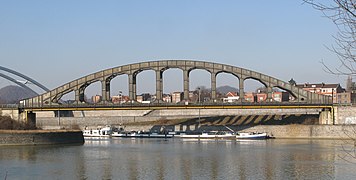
point(142, 135)
point(103, 132)
point(252, 136)
point(226, 136)
point(208, 136)
point(96, 135)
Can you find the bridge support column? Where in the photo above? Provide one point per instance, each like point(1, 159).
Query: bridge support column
point(76, 95)
point(132, 87)
point(269, 94)
point(105, 91)
point(186, 85)
point(159, 85)
point(79, 95)
point(213, 87)
point(30, 118)
point(241, 89)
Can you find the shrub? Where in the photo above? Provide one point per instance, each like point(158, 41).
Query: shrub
point(7, 123)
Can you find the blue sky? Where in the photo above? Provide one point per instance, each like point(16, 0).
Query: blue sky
point(55, 42)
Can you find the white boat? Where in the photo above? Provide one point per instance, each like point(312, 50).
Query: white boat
point(249, 135)
point(210, 135)
point(140, 135)
point(100, 132)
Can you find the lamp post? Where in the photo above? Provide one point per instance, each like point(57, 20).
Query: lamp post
point(332, 96)
point(59, 118)
point(198, 95)
point(120, 97)
point(199, 105)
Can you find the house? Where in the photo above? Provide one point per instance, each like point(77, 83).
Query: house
point(96, 99)
point(351, 88)
point(192, 96)
point(323, 89)
point(280, 96)
point(144, 98)
point(177, 97)
point(276, 96)
point(231, 97)
point(167, 98)
point(343, 98)
point(261, 97)
point(139, 98)
point(119, 99)
point(250, 97)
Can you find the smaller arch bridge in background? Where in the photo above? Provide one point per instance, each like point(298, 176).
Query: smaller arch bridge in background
point(52, 97)
point(24, 77)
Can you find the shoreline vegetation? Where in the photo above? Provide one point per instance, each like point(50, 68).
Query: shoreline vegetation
point(7, 123)
point(13, 132)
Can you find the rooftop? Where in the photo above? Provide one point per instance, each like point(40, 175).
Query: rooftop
point(319, 85)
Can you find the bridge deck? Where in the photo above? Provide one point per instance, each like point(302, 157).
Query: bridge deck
point(136, 106)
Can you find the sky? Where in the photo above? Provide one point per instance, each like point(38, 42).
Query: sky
point(55, 42)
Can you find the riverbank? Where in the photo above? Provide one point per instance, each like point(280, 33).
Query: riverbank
point(295, 131)
point(40, 137)
point(278, 126)
point(292, 131)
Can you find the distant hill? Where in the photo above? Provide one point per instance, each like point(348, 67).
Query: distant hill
point(13, 94)
point(226, 89)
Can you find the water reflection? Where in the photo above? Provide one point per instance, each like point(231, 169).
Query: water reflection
point(177, 159)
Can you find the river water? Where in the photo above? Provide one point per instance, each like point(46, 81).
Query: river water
point(179, 159)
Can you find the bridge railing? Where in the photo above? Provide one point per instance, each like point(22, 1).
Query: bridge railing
point(172, 105)
point(9, 106)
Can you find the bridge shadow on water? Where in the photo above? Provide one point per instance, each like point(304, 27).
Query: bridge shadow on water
point(236, 123)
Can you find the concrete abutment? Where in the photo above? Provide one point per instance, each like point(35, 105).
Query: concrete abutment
point(339, 115)
point(116, 117)
point(326, 117)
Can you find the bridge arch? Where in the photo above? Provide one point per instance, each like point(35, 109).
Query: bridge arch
point(32, 81)
point(228, 73)
point(22, 76)
point(105, 76)
point(18, 83)
point(119, 85)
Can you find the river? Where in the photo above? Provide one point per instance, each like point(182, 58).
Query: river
point(179, 159)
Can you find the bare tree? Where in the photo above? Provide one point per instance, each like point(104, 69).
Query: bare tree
point(348, 146)
point(343, 14)
point(203, 92)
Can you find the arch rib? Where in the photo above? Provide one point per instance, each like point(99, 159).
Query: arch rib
point(25, 77)
point(186, 66)
point(18, 83)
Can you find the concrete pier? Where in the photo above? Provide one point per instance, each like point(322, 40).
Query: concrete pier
point(40, 137)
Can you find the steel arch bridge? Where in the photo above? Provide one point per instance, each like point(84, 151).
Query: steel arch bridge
point(52, 98)
point(24, 77)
